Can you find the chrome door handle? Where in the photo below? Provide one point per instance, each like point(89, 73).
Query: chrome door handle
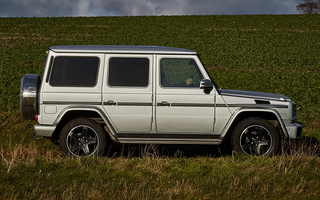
point(110, 102)
point(163, 103)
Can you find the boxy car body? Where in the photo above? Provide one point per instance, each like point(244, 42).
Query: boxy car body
point(147, 94)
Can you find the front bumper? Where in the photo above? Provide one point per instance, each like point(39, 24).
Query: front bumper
point(44, 130)
point(294, 130)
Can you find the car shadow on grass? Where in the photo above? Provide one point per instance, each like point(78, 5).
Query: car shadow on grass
point(306, 146)
point(165, 150)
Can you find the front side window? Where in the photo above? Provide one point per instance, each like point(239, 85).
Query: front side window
point(72, 71)
point(179, 72)
point(130, 72)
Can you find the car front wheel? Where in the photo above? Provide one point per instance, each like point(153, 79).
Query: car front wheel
point(255, 137)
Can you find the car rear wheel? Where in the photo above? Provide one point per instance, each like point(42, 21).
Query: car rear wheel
point(82, 137)
point(255, 137)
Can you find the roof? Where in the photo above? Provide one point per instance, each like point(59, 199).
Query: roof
point(120, 49)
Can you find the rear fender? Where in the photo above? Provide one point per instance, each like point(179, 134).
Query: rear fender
point(73, 111)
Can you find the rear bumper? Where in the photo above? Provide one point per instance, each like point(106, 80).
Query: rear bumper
point(294, 130)
point(44, 130)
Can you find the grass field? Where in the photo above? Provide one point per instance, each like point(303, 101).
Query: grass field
point(277, 54)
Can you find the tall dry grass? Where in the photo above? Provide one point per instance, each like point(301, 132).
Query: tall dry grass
point(38, 170)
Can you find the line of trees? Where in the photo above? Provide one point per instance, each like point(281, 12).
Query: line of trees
point(309, 7)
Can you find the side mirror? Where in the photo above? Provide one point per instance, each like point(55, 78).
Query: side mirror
point(206, 85)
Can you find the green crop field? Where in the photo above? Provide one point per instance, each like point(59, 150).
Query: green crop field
point(267, 53)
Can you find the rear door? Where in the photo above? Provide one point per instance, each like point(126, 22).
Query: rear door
point(127, 92)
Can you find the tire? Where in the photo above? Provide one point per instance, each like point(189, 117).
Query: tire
point(29, 88)
point(82, 137)
point(255, 137)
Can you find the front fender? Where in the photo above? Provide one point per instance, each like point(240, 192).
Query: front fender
point(243, 113)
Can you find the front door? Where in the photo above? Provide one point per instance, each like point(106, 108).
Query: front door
point(181, 106)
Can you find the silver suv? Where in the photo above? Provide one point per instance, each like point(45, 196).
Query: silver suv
point(90, 95)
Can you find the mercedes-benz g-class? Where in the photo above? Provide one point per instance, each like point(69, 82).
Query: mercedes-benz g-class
point(90, 95)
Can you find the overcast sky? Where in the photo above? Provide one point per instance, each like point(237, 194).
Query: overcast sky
point(58, 8)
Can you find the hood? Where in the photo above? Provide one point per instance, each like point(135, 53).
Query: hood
point(254, 95)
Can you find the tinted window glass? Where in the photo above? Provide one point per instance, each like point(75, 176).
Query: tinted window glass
point(129, 72)
point(179, 72)
point(74, 71)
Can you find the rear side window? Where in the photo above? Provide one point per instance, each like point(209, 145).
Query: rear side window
point(68, 71)
point(130, 72)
